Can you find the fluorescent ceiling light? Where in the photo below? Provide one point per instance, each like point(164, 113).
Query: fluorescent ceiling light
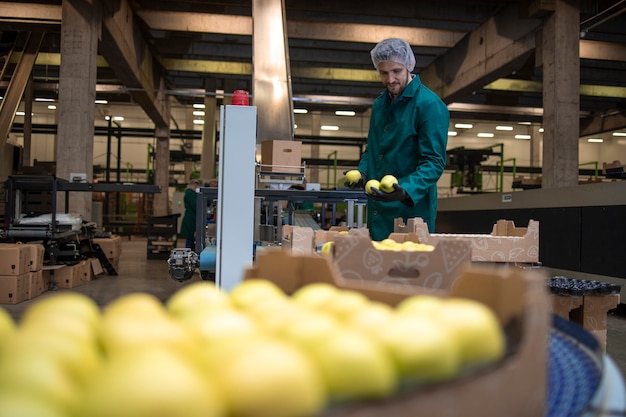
point(345, 113)
point(295, 125)
point(452, 133)
point(328, 127)
point(541, 129)
point(198, 122)
point(509, 128)
point(118, 118)
point(524, 123)
point(300, 111)
point(464, 125)
point(595, 140)
point(43, 99)
point(198, 113)
point(52, 107)
point(101, 102)
point(198, 105)
point(485, 135)
point(522, 136)
point(619, 133)
point(20, 113)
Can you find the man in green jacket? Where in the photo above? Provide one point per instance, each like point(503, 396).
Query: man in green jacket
point(407, 138)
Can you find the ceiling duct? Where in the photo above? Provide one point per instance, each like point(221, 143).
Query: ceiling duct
point(271, 78)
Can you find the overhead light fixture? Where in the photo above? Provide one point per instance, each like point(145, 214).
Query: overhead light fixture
point(198, 105)
point(20, 113)
point(198, 122)
point(508, 128)
point(595, 140)
point(52, 107)
point(198, 113)
point(619, 133)
point(219, 93)
point(300, 111)
point(524, 123)
point(452, 133)
point(522, 136)
point(295, 125)
point(464, 125)
point(329, 127)
point(43, 99)
point(485, 135)
point(345, 113)
point(102, 102)
point(541, 129)
point(118, 118)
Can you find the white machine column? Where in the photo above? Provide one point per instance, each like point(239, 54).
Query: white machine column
point(235, 210)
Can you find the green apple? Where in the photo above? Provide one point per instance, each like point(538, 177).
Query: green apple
point(7, 326)
point(25, 405)
point(271, 378)
point(475, 328)
point(345, 303)
point(314, 296)
point(421, 305)
point(353, 176)
point(370, 318)
point(422, 349)
point(203, 295)
point(222, 326)
point(151, 382)
point(387, 182)
point(354, 366)
point(252, 291)
point(371, 184)
point(67, 303)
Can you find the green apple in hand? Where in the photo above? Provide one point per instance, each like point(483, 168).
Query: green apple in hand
point(387, 182)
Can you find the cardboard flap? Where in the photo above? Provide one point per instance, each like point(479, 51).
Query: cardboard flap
point(507, 228)
point(496, 287)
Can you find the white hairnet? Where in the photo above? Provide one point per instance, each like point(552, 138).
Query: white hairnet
point(396, 50)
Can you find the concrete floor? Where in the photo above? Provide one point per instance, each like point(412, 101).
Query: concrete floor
point(136, 273)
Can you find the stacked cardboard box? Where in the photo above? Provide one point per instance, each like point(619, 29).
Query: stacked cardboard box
point(69, 276)
point(37, 284)
point(506, 243)
point(14, 273)
point(112, 248)
point(515, 387)
point(281, 156)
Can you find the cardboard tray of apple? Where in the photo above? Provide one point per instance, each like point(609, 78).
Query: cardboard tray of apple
point(513, 385)
point(294, 339)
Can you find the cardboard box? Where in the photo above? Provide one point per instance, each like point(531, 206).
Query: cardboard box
point(37, 251)
point(281, 156)
point(356, 258)
point(14, 259)
point(37, 284)
point(71, 276)
point(14, 288)
point(506, 243)
point(96, 267)
point(515, 387)
point(111, 246)
point(297, 239)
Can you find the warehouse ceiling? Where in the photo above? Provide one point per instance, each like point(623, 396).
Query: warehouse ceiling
point(197, 47)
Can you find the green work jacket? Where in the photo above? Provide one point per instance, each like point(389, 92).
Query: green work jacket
point(188, 225)
point(407, 138)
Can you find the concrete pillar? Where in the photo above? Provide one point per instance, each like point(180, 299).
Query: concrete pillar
point(77, 92)
point(561, 95)
point(207, 160)
point(161, 170)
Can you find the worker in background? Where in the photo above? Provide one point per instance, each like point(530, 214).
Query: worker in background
point(188, 225)
point(407, 138)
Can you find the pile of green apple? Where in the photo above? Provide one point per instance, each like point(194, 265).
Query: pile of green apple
point(253, 352)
